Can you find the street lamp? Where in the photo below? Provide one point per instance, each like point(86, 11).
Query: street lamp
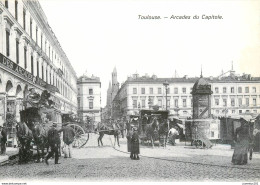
point(166, 85)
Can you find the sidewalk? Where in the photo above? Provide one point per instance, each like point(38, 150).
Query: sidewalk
point(10, 151)
point(217, 155)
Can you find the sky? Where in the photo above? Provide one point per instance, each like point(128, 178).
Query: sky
point(98, 35)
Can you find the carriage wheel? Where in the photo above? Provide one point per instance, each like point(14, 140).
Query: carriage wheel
point(80, 138)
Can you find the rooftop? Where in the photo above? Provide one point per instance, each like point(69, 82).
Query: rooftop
point(154, 79)
point(85, 78)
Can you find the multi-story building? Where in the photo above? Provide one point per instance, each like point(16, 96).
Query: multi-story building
point(89, 98)
point(32, 58)
point(233, 95)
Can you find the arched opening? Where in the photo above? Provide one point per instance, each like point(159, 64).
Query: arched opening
point(26, 91)
point(9, 86)
point(18, 90)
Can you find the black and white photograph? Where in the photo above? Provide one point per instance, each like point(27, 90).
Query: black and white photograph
point(129, 91)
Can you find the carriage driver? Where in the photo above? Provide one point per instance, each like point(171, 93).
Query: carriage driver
point(68, 138)
point(144, 122)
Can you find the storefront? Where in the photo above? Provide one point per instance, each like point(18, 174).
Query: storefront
point(15, 86)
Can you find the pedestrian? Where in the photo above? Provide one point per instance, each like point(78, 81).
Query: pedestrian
point(68, 138)
point(135, 149)
point(53, 141)
point(144, 123)
point(242, 139)
point(3, 139)
point(173, 132)
point(129, 137)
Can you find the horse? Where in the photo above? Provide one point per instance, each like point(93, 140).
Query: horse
point(24, 136)
point(105, 130)
point(151, 130)
point(40, 136)
point(163, 132)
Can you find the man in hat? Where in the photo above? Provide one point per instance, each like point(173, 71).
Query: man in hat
point(53, 141)
point(144, 122)
point(3, 139)
point(68, 138)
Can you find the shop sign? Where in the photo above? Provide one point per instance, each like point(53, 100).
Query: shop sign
point(19, 70)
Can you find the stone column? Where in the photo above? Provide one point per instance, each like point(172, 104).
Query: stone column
point(1, 31)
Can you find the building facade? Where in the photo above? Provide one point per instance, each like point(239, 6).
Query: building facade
point(89, 98)
point(232, 95)
point(32, 58)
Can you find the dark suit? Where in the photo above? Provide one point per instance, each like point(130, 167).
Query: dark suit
point(3, 141)
point(53, 140)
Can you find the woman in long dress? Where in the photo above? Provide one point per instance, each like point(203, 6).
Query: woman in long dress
point(129, 137)
point(135, 149)
point(242, 139)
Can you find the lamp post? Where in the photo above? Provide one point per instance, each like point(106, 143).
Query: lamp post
point(166, 85)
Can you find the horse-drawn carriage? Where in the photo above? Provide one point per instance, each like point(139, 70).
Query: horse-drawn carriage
point(154, 125)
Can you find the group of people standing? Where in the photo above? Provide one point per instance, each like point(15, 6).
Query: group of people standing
point(54, 141)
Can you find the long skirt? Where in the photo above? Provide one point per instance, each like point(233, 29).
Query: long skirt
point(129, 145)
point(240, 152)
point(135, 147)
point(257, 142)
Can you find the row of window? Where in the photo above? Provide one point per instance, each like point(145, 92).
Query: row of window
point(90, 104)
point(159, 102)
point(232, 101)
point(51, 52)
point(90, 91)
point(234, 111)
point(232, 90)
point(184, 102)
point(46, 75)
point(184, 90)
point(159, 90)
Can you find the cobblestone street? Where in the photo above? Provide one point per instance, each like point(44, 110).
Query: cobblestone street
point(175, 163)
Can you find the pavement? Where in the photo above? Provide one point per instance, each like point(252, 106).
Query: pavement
point(173, 163)
point(219, 154)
